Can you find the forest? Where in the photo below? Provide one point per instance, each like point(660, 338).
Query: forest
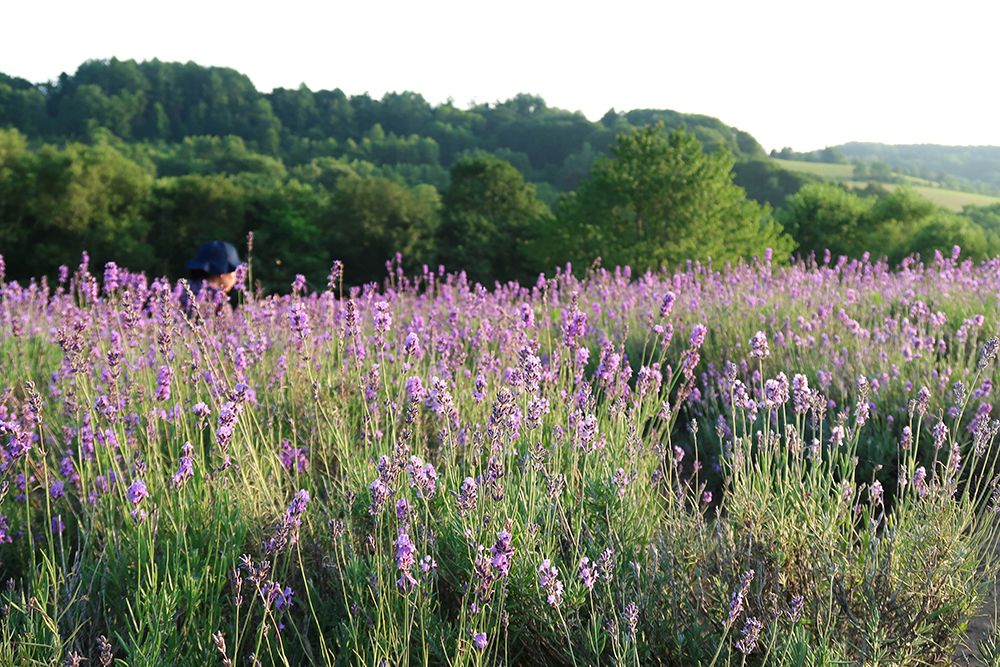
point(139, 162)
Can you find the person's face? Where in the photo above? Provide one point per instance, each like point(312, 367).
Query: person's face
point(227, 281)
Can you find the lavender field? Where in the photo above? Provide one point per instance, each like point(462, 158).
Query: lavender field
point(762, 464)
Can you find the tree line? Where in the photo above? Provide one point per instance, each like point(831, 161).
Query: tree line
point(658, 198)
point(141, 162)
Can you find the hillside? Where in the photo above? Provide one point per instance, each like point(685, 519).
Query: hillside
point(950, 198)
point(964, 168)
point(400, 135)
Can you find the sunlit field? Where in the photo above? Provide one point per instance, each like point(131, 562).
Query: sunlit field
point(751, 464)
point(953, 200)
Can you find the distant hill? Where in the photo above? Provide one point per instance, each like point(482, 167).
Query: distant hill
point(400, 135)
point(966, 168)
point(861, 178)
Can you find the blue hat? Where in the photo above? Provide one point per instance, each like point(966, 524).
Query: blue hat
point(216, 258)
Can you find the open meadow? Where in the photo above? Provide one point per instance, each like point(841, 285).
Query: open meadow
point(741, 465)
point(953, 200)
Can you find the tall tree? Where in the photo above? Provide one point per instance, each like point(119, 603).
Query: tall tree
point(490, 220)
point(660, 199)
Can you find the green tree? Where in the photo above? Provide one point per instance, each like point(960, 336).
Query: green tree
point(660, 200)
point(56, 202)
point(490, 220)
point(370, 219)
point(822, 216)
point(188, 210)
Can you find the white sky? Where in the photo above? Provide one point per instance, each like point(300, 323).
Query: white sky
point(798, 73)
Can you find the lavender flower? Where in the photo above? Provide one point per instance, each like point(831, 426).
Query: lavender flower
point(186, 469)
point(479, 641)
point(5, 536)
point(502, 552)
point(906, 438)
point(137, 492)
point(548, 579)
point(698, 333)
point(620, 481)
point(298, 319)
point(293, 457)
point(286, 532)
point(631, 615)
point(736, 601)
point(876, 492)
point(667, 304)
point(467, 496)
point(423, 477)
point(758, 346)
point(751, 633)
point(163, 377)
point(588, 573)
point(379, 493)
point(919, 481)
point(405, 560)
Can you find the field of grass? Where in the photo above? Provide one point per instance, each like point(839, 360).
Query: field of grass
point(756, 465)
point(953, 200)
point(821, 169)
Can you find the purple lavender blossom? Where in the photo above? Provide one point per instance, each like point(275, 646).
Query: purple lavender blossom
point(919, 481)
point(423, 477)
point(5, 535)
point(698, 333)
point(298, 319)
point(296, 458)
point(502, 552)
point(405, 560)
point(876, 493)
point(548, 579)
point(667, 304)
point(906, 438)
point(137, 492)
point(286, 532)
point(186, 468)
point(758, 346)
point(751, 633)
point(588, 573)
point(163, 377)
point(620, 481)
point(379, 493)
point(736, 601)
point(467, 496)
point(479, 641)
point(415, 390)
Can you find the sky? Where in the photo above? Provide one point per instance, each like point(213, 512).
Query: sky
point(803, 73)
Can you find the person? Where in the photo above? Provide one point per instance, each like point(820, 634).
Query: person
point(212, 271)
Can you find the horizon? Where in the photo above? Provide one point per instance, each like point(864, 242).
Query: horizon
point(786, 91)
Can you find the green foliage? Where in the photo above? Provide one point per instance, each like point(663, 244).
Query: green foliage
point(821, 216)
point(158, 102)
point(371, 219)
point(661, 200)
point(892, 224)
point(966, 168)
point(490, 220)
point(766, 182)
point(55, 202)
